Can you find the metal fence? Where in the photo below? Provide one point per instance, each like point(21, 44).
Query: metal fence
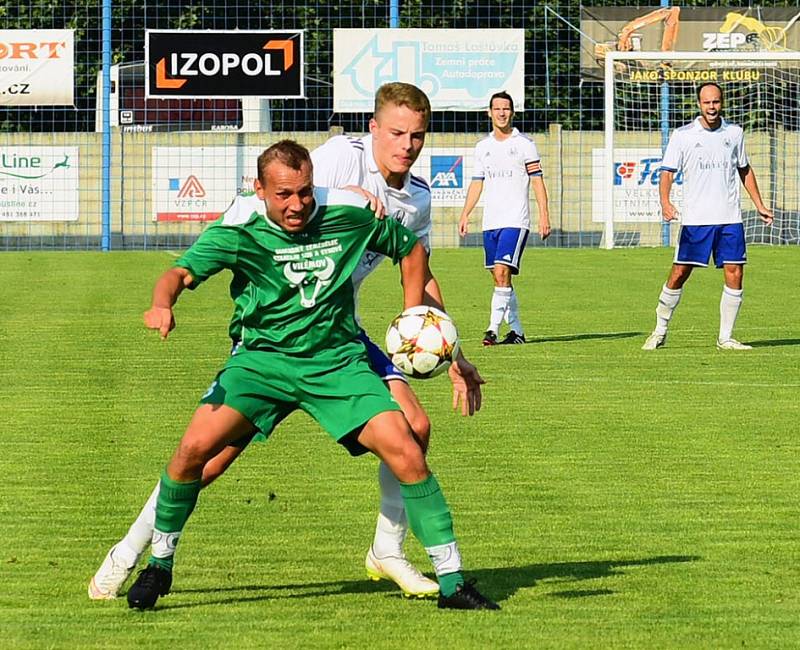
point(151, 142)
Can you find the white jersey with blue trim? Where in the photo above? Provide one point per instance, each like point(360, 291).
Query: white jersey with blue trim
point(710, 162)
point(345, 160)
point(505, 167)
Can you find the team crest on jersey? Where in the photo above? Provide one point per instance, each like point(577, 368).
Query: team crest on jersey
point(310, 277)
point(726, 142)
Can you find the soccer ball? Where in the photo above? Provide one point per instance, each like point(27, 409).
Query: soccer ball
point(422, 341)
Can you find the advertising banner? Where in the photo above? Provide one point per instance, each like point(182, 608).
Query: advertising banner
point(684, 29)
point(192, 183)
point(458, 69)
point(226, 64)
point(38, 183)
point(37, 67)
point(636, 175)
point(448, 171)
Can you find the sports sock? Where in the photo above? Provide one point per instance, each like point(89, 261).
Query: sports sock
point(432, 523)
point(667, 302)
point(500, 299)
point(729, 306)
point(512, 314)
point(174, 505)
point(140, 533)
point(390, 532)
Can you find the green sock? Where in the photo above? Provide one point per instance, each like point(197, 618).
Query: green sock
point(432, 524)
point(175, 503)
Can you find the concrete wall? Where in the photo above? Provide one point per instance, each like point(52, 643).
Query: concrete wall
point(566, 158)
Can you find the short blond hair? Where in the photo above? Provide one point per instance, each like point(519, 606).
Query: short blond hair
point(403, 94)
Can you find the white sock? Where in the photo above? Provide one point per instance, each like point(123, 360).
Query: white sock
point(141, 531)
point(446, 558)
point(500, 300)
point(512, 315)
point(667, 302)
point(392, 527)
point(728, 311)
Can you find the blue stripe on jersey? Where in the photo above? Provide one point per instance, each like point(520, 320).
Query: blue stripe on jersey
point(357, 143)
point(419, 182)
point(477, 178)
point(666, 169)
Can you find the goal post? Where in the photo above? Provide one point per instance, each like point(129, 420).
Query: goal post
point(648, 94)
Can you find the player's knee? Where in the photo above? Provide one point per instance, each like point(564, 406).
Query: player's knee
point(216, 467)
point(420, 425)
point(193, 454)
point(407, 461)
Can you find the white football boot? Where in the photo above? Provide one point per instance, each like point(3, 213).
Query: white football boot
point(110, 577)
point(732, 344)
point(655, 340)
point(400, 571)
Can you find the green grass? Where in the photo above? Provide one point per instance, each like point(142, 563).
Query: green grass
point(607, 497)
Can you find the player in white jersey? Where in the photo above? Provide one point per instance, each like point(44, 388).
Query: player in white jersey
point(377, 166)
point(711, 155)
point(508, 164)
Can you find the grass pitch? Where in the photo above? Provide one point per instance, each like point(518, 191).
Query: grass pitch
point(605, 496)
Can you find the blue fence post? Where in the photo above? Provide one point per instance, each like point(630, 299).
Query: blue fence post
point(105, 240)
point(664, 136)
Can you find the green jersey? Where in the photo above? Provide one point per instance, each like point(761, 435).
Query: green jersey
point(292, 291)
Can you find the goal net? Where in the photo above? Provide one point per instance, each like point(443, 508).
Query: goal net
point(649, 94)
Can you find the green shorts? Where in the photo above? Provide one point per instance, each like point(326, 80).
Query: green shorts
point(335, 387)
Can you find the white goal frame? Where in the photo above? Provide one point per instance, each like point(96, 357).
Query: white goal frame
point(613, 57)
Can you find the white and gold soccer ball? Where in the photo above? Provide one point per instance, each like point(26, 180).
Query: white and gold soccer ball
point(422, 341)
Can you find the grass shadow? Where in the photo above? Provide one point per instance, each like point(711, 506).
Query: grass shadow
point(566, 338)
point(498, 583)
point(775, 343)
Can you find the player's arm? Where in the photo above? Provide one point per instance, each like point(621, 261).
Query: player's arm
point(748, 177)
point(165, 294)
point(473, 195)
point(666, 177)
point(214, 250)
point(672, 162)
point(414, 274)
point(540, 192)
point(465, 376)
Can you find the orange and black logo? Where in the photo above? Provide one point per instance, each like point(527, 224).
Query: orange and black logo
point(224, 64)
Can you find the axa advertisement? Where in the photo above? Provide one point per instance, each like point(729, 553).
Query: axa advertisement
point(458, 69)
point(37, 67)
point(224, 64)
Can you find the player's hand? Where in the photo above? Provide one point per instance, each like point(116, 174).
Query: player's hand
point(544, 227)
point(161, 319)
point(668, 211)
point(766, 215)
point(375, 204)
point(466, 386)
point(463, 226)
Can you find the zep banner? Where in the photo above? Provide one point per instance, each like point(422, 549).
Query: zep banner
point(225, 64)
point(37, 67)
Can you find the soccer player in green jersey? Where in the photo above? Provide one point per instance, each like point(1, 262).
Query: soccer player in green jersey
point(300, 349)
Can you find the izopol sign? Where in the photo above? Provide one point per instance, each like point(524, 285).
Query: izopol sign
point(458, 69)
